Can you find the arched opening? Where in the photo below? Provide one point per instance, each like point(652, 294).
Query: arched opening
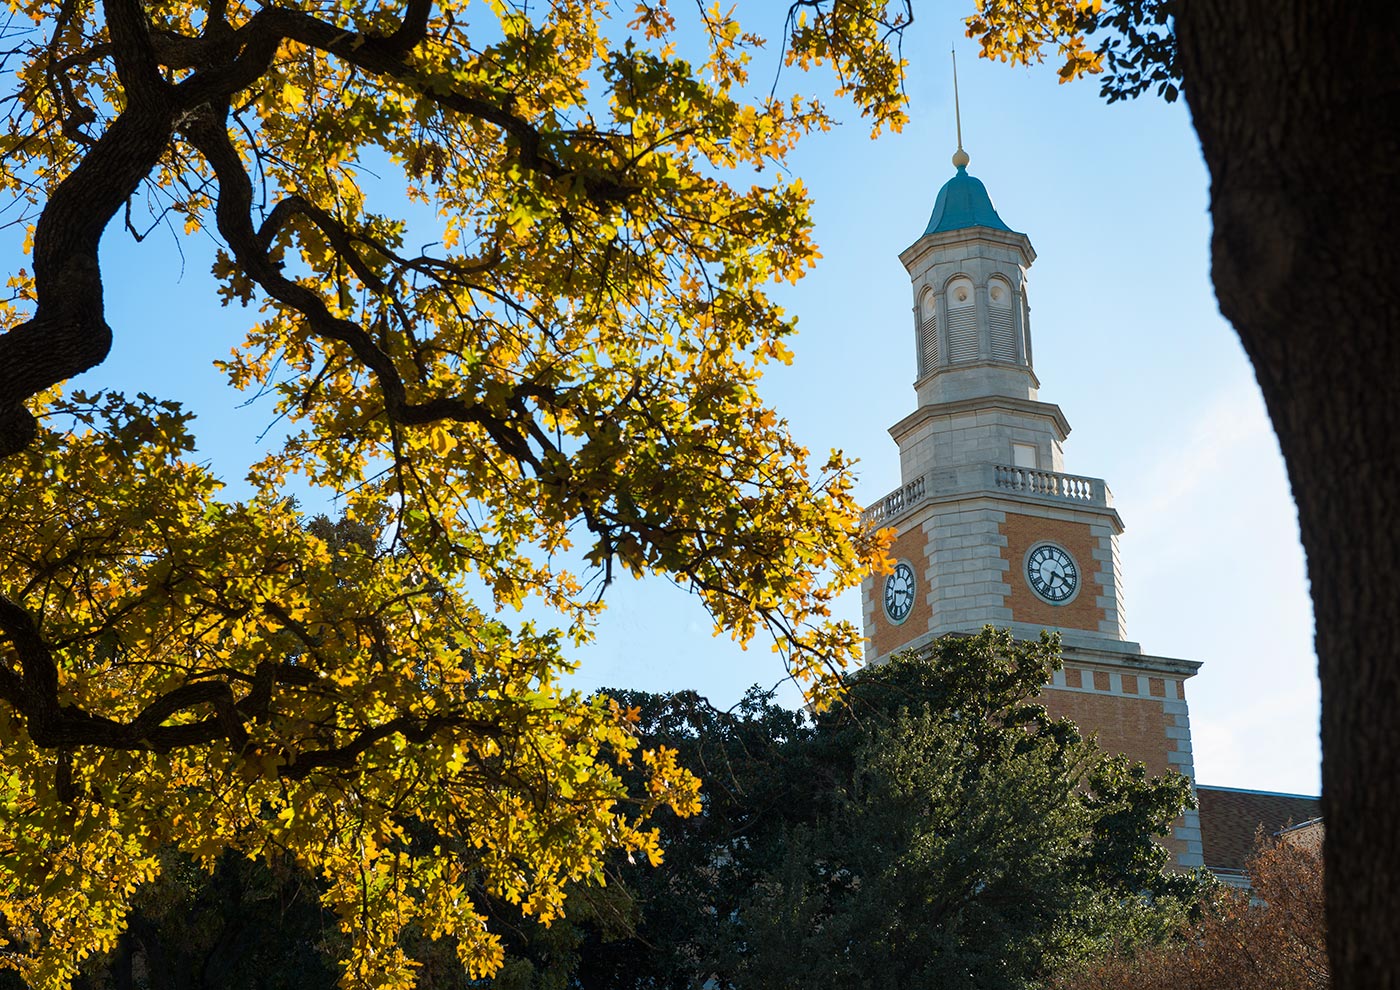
point(962, 320)
point(928, 332)
point(1001, 319)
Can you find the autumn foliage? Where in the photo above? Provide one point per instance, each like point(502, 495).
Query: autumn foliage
point(1271, 938)
point(560, 388)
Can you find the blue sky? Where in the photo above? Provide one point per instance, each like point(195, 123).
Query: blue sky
point(1127, 341)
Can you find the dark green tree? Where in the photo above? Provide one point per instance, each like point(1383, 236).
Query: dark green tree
point(940, 830)
point(757, 762)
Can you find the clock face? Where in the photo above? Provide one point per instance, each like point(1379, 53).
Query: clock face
point(899, 592)
point(1051, 573)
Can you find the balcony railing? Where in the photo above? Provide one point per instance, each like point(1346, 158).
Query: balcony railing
point(1034, 482)
point(896, 502)
point(970, 479)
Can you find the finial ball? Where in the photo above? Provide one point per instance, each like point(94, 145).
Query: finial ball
point(960, 159)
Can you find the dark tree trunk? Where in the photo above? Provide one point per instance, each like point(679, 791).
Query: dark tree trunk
point(1297, 105)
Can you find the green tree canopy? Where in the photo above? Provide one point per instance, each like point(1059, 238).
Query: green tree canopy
point(940, 830)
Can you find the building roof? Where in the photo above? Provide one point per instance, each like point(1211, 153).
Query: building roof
point(1230, 817)
point(963, 202)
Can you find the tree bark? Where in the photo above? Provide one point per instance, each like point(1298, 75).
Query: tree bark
point(1297, 105)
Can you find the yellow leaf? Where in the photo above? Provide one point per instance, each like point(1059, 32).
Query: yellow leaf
point(441, 440)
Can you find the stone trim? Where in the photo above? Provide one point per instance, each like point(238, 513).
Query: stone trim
point(1098, 680)
point(967, 237)
point(1189, 832)
point(959, 407)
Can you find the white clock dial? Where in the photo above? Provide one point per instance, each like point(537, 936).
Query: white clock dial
point(899, 592)
point(1052, 573)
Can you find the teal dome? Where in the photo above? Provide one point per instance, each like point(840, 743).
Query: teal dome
point(963, 202)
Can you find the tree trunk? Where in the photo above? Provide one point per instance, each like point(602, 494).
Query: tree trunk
point(1297, 105)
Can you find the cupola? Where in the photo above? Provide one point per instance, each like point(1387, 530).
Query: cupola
point(972, 323)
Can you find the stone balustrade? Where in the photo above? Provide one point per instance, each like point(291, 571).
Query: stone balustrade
point(1035, 482)
point(992, 479)
point(896, 502)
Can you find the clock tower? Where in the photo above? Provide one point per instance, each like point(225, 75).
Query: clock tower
point(990, 529)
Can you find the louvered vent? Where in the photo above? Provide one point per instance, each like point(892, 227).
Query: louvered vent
point(1003, 333)
point(928, 345)
point(962, 334)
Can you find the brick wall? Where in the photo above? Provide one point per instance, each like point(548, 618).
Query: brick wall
point(1144, 718)
point(1135, 727)
point(1024, 531)
point(886, 637)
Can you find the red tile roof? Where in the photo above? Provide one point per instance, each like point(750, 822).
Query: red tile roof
point(1230, 817)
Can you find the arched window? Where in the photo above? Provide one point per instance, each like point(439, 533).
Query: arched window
point(928, 332)
point(1001, 319)
point(962, 320)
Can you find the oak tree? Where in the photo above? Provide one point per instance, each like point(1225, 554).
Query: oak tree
point(569, 368)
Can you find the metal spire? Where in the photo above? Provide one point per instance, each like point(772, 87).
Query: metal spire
point(960, 157)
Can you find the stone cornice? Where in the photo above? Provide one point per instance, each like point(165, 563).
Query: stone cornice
point(1078, 653)
point(969, 365)
point(1030, 407)
point(1125, 658)
point(965, 236)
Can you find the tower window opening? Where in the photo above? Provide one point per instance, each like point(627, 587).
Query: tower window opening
point(1001, 321)
point(928, 333)
point(962, 321)
point(962, 335)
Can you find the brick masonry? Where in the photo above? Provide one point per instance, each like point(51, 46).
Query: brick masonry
point(1085, 611)
point(1154, 729)
point(887, 637)
point(1135, 727)
point(969, 555)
